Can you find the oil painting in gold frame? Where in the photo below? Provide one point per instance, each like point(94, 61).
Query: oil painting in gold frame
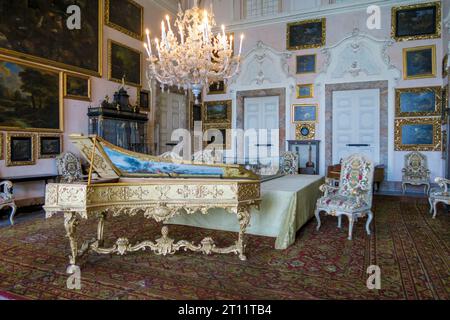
point(124, 63)
point(223, 128)
point(306, 34)
point(32, 99)
point(418, 102)
point(20, 149)
point(77, 87)
point(126, 16)
point(305, 91)
point(418, 134)
point(419, 62)
point(217, 111)
point(304, 113)
point(49, 145)
point(416, 22)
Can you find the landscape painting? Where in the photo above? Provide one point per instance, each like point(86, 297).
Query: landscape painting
point(306, 64)
point(124, 62)
point(413, 102)
point(30, 98)
point(217, 112)
point(304, 113)
point(418, 134)
point(306, 34)
point(20, 149)
point(305, 91)
point(415, 22)
point(38, 31)
point(49, 146)
point(419, 62)
point(77, 87)
point(125, 16)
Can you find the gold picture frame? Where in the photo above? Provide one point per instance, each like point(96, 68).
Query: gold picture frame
point(42, 155)
point(436, 144)
point(437, 91)
point(305, 131)
point(60, 93)
point(10, 162)
point(435, 35)
point(76, 97)
point(420, 76)
point(302, 116)
point(123, 29)
point(306, 46)
point(207, 104)
point(63, 66)
point(222, 90)
point(219, 126)
point(110, 77)
point(310, 86)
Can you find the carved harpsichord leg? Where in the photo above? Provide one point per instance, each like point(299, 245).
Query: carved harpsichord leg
point(100, 228)
point(243, 214)
point(70, 224)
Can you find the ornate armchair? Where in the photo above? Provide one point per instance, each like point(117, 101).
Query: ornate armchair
point(416, 171)
point(7, 199)
point(69, 167)
point(353, 197)
point(439, 194)
point(289, 163)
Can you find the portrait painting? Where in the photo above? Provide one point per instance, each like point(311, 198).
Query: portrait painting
point(77, 87)
point(144, 100)
point(304, 113)
point(306, 63)
point(30, 97)
point(305, 91)
point(20, 149)
point(125, 16)
point(416, 22)
point(419, 62)
point(306, 34)
point(30, 29)
point(49, 146)
point(217, 88)
point(413, 102)
point(418, 134)
point(124, 62)
point(217, 112)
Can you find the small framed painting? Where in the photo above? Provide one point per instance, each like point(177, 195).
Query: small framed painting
point(305, 131)
point(419, 62)
point(218, 135)
point(306, 64)
point(445, 66)
point(124, 63)
point(49, 146)
point(195, 111)
point(77, 87)
point(414, 102)
point(144, 100)
point(305, 91)
point(126, 16)
point(217, 112)
point(20, 149)
point(418, 134)
point(417, 21)
point(306, 34)
point(217, 88)
point(304, 113)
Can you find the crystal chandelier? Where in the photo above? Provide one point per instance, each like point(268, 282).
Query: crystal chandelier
point(191, 57)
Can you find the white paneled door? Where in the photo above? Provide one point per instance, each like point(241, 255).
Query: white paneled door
point(356, 124)
point(172, 116)
point(261, 113)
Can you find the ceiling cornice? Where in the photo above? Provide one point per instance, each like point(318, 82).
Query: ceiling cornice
point(315, 13)
point(167, 5)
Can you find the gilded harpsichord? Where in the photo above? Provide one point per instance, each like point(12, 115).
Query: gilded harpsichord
point(131, 183)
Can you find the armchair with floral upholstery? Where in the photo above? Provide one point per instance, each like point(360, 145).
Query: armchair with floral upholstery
point(439, 194)
point(7, 199)
point(416, 171)
point(353, 196)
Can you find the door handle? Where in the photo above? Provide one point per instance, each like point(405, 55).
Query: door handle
point(263, 145)
point(358, 145)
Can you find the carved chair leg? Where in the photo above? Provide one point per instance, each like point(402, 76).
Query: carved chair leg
point(430, 201)
point(100, 228)
point(403, 188)
point(369, 220)
point(350, 226)
point(13, 212)
point(244, 220)
point(435, 208)
point(70, 224)
point(317, 214)
point(339, 222)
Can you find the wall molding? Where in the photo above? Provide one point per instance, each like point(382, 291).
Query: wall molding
point(167, 5)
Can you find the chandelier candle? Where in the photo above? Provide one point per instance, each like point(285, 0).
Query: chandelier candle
point(195, 57)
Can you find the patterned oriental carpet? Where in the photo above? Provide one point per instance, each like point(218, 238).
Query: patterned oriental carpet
point(411, 249)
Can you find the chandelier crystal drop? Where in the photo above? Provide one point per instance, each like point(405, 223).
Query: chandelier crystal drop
point(191, 56)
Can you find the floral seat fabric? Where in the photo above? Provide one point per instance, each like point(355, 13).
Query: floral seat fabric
point(416, 171)
point(353, 197)
point(439, 194)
